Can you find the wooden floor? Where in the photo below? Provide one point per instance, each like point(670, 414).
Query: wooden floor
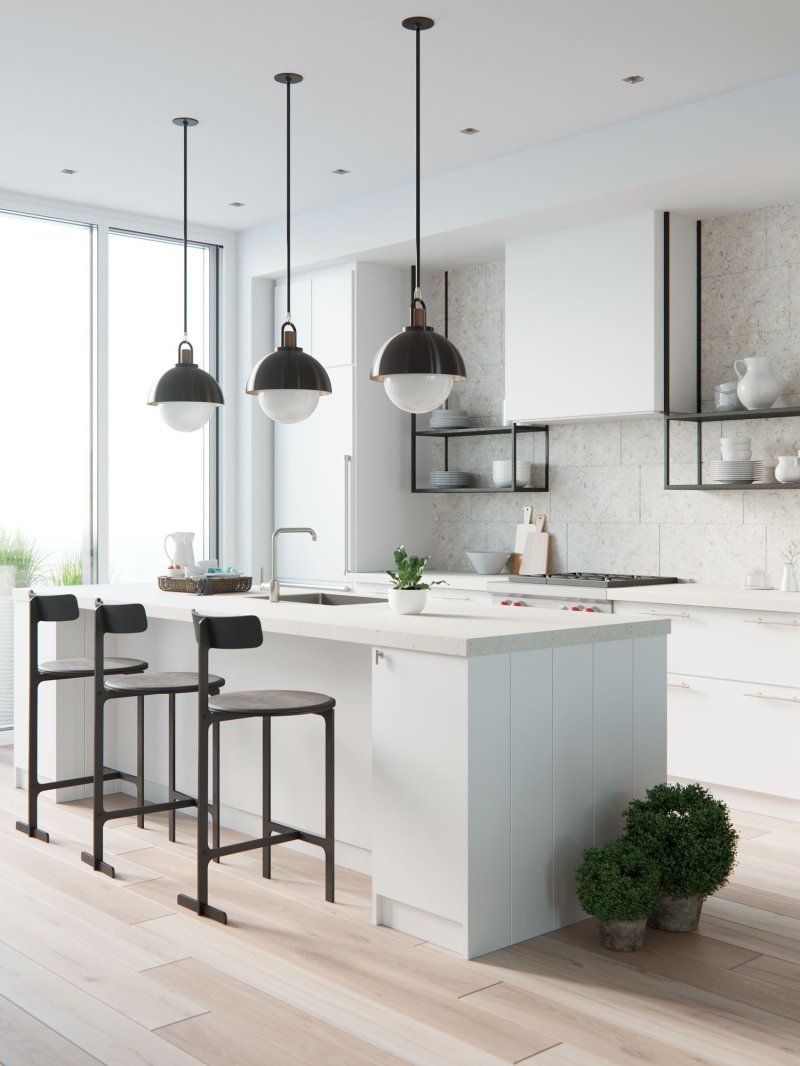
point(94, 970)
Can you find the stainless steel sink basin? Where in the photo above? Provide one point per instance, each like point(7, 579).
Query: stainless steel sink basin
point(324, 599)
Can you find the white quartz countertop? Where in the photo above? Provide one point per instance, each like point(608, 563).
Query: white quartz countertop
point(444, 628)
point(691, 595)
point(452, 578)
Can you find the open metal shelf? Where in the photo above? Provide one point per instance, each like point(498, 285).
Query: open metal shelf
point(736, 416)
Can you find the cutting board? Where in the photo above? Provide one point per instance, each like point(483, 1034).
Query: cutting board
point(536, 549)
point(523, 529)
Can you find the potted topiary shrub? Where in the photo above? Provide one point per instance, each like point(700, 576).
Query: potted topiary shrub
point(619, 885)
point(408, 593)
point(688, 832)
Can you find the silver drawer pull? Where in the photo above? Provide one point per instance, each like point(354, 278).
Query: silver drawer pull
point(664, 614)
point(794, 623)
point(677, 684)
point(780, 699)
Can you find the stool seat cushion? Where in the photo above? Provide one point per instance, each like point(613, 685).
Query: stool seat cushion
point(270, 701)
point(64, 668)
point(154, 683)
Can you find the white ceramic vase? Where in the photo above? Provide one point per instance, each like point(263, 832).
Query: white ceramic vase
point(788, 579)
point(788, 469)
point(757, 388)
point(407, 601)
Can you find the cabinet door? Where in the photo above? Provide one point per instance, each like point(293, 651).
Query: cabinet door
point(301, 310)
point(584, 314)
point(310, 484)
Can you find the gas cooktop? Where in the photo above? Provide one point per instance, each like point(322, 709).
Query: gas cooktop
point(600, 581)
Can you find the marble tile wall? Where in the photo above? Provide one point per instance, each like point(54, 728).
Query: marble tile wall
point(607, 508)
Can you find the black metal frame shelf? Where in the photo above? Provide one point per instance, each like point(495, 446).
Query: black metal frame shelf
point(483, 431)
point(700, 417)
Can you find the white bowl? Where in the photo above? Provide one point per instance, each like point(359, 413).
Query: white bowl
point(488, 562)
point(501, 472)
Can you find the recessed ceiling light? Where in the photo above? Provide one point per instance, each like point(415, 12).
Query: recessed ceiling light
point(634, 79)
point(469, 130)
point(66, 170)
point(340, 170)
point(236, 203)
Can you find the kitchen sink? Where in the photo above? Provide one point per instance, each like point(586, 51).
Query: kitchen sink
point(324, 599)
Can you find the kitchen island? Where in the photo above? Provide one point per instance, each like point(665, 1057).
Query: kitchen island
point(478, 750)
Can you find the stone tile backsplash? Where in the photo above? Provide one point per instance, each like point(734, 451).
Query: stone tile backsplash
point(607, 508)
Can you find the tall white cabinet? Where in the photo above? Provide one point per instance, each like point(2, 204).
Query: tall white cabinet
point(345, 470)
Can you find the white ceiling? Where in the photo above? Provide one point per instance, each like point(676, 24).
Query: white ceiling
point(94, 84)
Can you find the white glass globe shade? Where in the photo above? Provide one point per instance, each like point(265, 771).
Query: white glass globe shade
point(186, 416)
point(288, 405)
point(418, 393)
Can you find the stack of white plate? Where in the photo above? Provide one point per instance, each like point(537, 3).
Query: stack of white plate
point(450, 418)
point(765, 470)
point(733, 471)
point(450, 479)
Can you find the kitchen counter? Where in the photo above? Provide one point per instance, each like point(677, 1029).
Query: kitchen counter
point(455, 579)
point(479, 750)
point(444, 628)
point(689, 594)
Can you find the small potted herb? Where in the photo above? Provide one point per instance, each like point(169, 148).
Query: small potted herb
point(408, 592)
point(688, 833)
point(619, 885)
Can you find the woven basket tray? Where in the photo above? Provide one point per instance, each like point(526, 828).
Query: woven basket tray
point(232, 583)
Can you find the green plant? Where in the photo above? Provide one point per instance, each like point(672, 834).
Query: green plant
point(409, 570)
point(618, 881)
point(24, 554)
point(689, 834)
point(69, 571)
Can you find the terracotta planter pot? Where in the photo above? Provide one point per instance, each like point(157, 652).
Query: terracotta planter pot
point(407, 601)
point(677, 914)
point(623, 934)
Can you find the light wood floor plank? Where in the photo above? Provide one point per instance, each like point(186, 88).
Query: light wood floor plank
point(25, 1041)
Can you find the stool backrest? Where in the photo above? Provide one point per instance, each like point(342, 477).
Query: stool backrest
point(58, 608)
point(120, 618)
point(233, 631)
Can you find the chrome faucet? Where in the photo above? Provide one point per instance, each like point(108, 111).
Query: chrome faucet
point(274, 586)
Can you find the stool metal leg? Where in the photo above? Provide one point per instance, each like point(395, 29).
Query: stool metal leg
point(171, 764)
point(31, 827)
point(95, 858)
point(140, 759)
point(266, 794)
point(329, 801)
point(215, 804)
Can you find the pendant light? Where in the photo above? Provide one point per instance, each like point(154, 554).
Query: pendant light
point(288, 381)
point(418, 366)
point(186, 395)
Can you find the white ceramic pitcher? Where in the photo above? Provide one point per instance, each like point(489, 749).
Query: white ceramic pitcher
point(788, 469)
point(757, 388)
point(183, 552)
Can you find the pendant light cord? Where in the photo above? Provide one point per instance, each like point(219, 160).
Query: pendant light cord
point(288, 200)
point(185, 231)
point(417, 32)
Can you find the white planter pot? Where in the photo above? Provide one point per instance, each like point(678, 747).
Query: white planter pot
point(407, 601)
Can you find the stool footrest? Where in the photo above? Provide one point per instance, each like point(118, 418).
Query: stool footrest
point(70, 782)
point(250, 845)
point(149, 808)
point(104, 867)
point(204, 909)
point(299, 834)
point(40, 834)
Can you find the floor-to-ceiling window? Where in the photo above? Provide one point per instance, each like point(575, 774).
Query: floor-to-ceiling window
point(91, 479)
point(158, 480)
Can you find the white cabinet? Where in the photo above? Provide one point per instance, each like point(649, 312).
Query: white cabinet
point(344, 471)
point(585, 312)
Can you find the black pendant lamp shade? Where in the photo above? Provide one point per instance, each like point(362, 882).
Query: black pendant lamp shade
point(418, 366)
point(288, 381)
point(185, 395)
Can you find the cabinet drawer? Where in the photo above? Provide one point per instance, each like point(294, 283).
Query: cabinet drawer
point(728, 644)
point(731, 733)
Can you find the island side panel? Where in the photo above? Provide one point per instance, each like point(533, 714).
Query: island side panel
point(420, 797)
point(613, 736)
point(531, 794)
point(489, 785)
point(649, 713)
point(573, 773)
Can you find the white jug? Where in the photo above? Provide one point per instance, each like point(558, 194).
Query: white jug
point(757, 388)
point(183, 554)
point(788, 469)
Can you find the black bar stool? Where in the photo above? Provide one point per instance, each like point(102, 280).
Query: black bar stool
point(131, 618)
point(245, 632)
point(62, 607)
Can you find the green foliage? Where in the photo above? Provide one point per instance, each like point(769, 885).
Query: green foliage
point(24, 554)
point(689, 834)
point(409, 570)
point(69, 571)
point(618, 881)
